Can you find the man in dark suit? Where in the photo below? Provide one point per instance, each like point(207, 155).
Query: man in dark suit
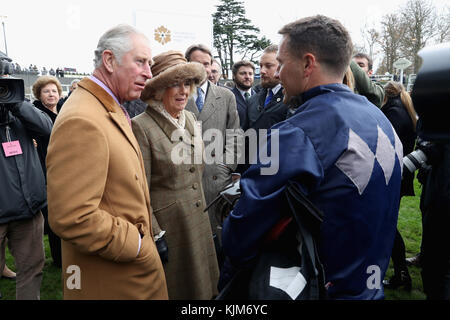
point(243, 77)
point(265, 108)
point(215, 108)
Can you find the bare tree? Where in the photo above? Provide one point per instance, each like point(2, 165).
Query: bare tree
point(371, 37)
point(443, 26)
point(419, 18)
point(358, 48)
point(393, 30)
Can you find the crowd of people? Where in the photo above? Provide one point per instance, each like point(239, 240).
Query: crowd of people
point(34, 70)
point(119, 173)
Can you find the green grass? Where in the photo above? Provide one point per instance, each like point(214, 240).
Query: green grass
point(51, 287)
point(409, 224)
point(410, 227)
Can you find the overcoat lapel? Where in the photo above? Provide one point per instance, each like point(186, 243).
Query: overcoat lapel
point(112, 107)
point(192, 107)
point(166, 126)
point(210, 104)
point(239, 96)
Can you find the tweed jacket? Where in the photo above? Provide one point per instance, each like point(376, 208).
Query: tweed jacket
point(219, 112)
point(178, 202)
point(99, 203)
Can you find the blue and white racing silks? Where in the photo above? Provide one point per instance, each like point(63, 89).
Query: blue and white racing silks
point(344, 154)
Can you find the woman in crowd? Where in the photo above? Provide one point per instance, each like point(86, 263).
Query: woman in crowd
point(171, 144)
point(349, 79)
point(47, 90)
point(399, 109)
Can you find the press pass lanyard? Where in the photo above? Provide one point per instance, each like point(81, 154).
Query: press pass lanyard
point(11, 148)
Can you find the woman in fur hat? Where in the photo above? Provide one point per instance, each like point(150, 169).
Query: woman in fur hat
point(172, 148)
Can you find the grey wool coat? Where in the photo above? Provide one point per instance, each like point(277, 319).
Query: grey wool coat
point(219, 112)
point(177, 200)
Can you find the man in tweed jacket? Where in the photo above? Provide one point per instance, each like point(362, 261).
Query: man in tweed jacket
point(218, 112)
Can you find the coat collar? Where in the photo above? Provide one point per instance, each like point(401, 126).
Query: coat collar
point(277, 98)
point(210, 103)
point(166, 126)
point(114, 110)
point(38, 104)
point(104, 97)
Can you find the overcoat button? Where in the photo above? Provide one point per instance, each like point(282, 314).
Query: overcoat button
point(192, 169)
point(198, 203)
point(214, 177)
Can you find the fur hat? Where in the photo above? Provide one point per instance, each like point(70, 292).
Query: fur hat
point(170, 67)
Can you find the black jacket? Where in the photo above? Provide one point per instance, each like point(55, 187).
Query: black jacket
point(241, 105)
point(260, 117)
point(43, 141)
point(135, 107)
point(23, 191)
point(403, 126)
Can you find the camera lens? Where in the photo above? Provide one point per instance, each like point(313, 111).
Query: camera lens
point(414, 160)
point(3, 91)
point(11, 90)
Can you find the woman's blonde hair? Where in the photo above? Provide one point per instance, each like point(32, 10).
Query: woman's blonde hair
point(42, 82)
point(393, 89)
point(349, 79)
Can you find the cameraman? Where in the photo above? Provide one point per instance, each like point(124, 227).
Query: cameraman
point(435, 207)
point(22, 194)
point(431, 98)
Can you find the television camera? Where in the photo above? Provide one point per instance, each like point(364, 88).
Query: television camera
point(12, 90)
point(431, 98)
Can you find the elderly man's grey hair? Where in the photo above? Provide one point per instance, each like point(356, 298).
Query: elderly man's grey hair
point(118, 40)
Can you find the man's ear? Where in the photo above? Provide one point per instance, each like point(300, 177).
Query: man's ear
point(108, 60)
point(370, 72)
point(309, 63)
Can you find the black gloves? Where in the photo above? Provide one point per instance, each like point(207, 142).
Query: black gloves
point(163, 250)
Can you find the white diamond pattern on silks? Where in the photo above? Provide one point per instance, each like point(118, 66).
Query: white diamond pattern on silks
point(290, 280)
point(399, 150)
point(385, 155)
point(357, 161)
